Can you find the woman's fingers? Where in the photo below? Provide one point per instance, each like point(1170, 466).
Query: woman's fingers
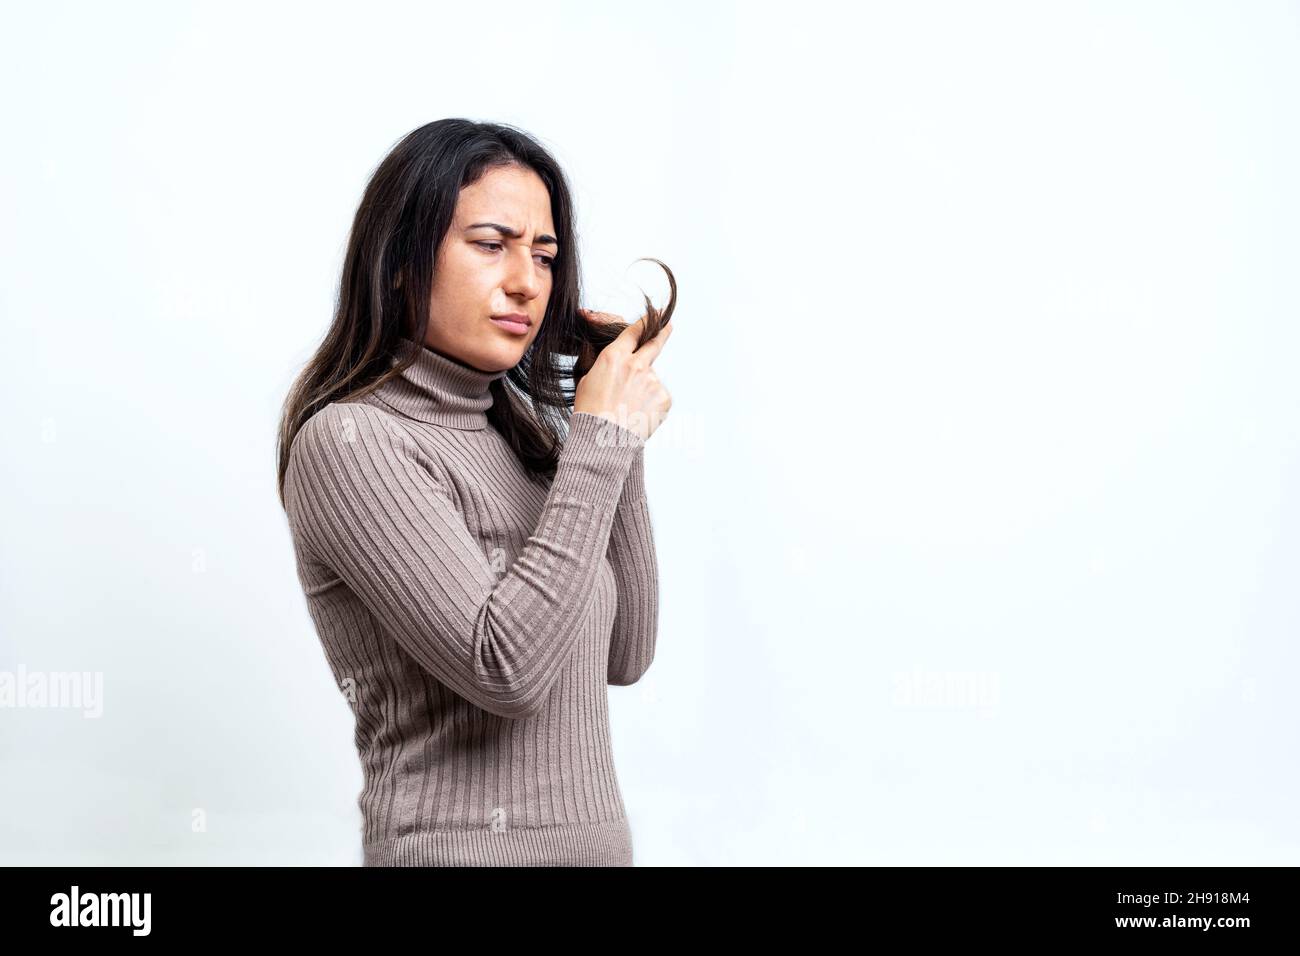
point(628, 337)
point(653, 347)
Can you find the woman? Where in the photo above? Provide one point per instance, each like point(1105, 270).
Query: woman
point(477, 576)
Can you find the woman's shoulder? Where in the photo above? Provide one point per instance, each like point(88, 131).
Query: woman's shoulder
point(347, 458)
point(353, 420)
point(349, 425)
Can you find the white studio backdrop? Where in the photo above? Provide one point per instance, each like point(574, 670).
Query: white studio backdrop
point(976, 510)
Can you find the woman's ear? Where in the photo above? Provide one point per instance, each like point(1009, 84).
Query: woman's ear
point(397, 283)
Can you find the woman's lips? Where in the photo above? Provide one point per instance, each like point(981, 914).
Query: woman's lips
point(519, 328)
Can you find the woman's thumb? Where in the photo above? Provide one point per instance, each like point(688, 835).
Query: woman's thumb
point(631, 334)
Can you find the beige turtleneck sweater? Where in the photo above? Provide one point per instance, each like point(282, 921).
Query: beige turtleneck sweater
point(473, 617)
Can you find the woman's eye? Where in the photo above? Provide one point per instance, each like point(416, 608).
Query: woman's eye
point(493, 246)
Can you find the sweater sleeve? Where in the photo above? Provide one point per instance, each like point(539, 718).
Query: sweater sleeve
point(367, 502)
point(636, 569)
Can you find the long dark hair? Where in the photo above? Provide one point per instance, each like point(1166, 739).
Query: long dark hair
point(405, 212)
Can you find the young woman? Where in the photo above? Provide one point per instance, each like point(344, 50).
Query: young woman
point(472, 534)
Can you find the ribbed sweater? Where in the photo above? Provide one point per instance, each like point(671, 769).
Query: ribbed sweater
point(473, 617)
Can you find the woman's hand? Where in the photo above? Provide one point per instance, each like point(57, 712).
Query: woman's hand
point(622, 385)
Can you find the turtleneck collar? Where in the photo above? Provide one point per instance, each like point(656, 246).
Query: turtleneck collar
point(439, 390)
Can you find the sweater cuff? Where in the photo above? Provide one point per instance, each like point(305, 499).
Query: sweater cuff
point(599, 453)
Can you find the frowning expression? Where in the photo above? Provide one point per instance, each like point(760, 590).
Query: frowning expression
point(494, 262)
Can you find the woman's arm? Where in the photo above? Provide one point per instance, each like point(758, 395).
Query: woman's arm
point(367, 503)
point(636, 569)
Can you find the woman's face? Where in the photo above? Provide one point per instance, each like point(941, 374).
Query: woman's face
point(482, 272)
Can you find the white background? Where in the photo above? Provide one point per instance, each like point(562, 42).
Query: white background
point(976, 510)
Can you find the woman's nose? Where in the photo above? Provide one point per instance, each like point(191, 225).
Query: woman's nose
point(521, 276)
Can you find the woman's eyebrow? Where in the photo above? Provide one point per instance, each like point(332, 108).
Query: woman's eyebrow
point(543, 240)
